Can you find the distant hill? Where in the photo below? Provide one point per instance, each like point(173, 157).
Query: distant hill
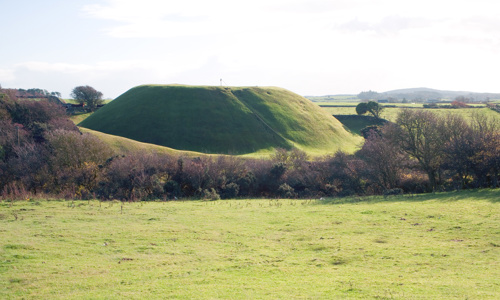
point(226, 120)
point(433, 94)
point(412, 94)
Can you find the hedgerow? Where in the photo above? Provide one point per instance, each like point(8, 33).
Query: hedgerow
point(42, 153)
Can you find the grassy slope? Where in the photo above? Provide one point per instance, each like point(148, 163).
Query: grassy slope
point(435, 246)
point(221, 120)
point(123, 145)
point(310, 128)
point(79, 118)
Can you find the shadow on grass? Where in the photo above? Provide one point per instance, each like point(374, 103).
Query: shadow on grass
point(491, 195)
point(355, 123)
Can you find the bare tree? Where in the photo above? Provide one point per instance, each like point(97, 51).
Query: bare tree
point(420, 135)
point(486, 160)
point(458, 149)
point(385, 160)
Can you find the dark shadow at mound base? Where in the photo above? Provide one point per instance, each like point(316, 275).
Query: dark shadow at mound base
point(355, 123)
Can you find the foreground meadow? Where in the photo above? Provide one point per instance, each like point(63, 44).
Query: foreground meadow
point(434, 246)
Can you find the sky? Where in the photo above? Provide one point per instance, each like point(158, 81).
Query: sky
point(311, 47)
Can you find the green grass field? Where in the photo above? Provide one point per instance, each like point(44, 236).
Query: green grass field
point(434, 246)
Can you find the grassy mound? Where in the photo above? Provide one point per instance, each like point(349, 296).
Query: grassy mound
point(236, 120)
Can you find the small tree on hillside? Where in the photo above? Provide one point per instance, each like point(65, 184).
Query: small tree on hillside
point(374, 108)
point(87, 95)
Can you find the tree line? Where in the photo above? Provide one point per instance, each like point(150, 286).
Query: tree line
point(43, 153)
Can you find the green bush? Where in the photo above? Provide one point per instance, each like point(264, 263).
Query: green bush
point(286, 191)
point(230, 191)
point(210, 194)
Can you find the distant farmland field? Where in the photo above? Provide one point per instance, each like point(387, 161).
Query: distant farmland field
point(390, 113)
point(434, 246)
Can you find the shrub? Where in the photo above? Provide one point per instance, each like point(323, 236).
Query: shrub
point(76, 159)
point(172, 189)
point(230, 191)
point(290, 159)
point(14, 191)
point(286, 191)
point(415, 182)
point(210, 194)
point(345, 172)
point(369, 130)
point(277, 170)
point(247, 184)
point(29, 164)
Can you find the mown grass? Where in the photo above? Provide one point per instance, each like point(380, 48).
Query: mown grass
point(223, 120)
point(436, 246)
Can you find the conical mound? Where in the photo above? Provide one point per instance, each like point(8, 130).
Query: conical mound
point(225, 120)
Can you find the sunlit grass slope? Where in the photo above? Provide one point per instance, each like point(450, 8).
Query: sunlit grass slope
point(121, 145)
point(229, 120)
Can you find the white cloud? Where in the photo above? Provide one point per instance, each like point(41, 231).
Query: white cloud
point(103, 68)
point(308, 46)
point(426, 20)
point(154, 18)
point(40, 66)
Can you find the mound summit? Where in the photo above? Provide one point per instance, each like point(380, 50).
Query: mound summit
point(223, 120)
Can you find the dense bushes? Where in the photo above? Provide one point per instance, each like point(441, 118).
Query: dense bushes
point(41, 152)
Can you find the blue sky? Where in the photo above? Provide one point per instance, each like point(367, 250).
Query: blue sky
point(313, 47)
